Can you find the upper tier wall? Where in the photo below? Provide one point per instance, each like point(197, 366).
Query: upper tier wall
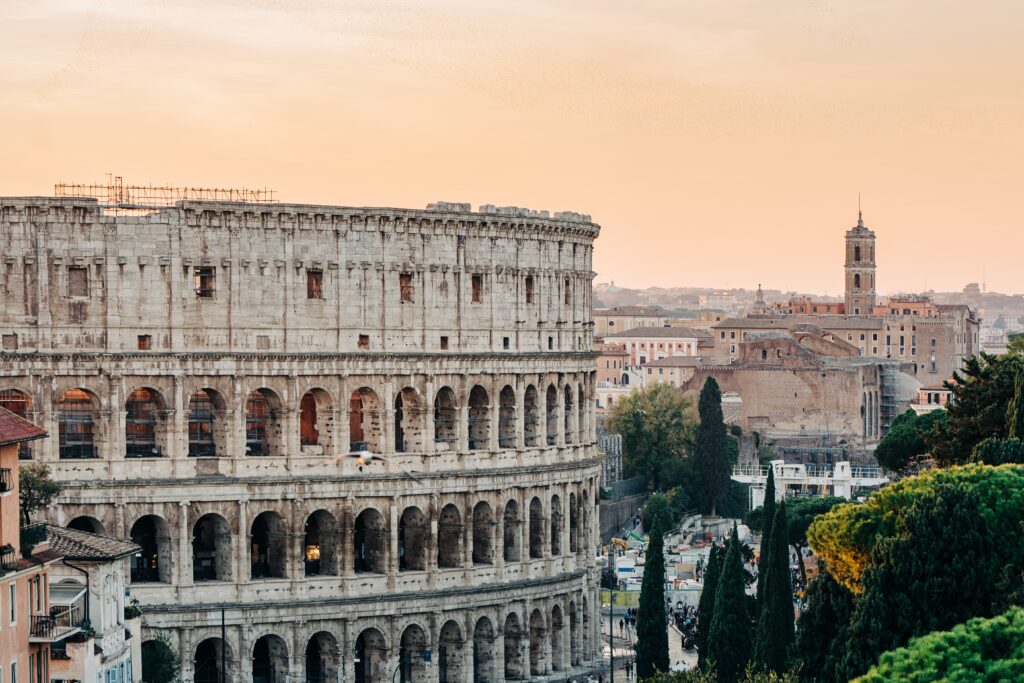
point(282, 277)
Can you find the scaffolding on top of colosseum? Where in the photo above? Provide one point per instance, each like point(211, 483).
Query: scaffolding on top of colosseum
point(114, 193)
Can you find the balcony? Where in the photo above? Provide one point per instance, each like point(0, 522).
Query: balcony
point(59, 624)
point(8, 559)
point(6, 480)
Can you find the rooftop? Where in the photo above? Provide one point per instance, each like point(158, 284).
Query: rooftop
point(785, 322)
point(14, 429)
point(675, 362)
point(660, 333)
point(650, 311)
point(81, 545)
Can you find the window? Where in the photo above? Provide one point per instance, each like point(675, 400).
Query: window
point(444, 342)
point(933, 342)
point(405, 286)
point(529, 295)
point(314, 284)
point(262, 342)
point(732, 335)
point(856, 253)
point(874, 337)
point(862, 336)
point(856, 280)
point(568, 292)
point(78, 281)
point(206, 282)
point(12, 602)
point(478, 288)
point(551, 343)
point(10, 342)
point(145, 342)
point(364, 341)
point(504, 343)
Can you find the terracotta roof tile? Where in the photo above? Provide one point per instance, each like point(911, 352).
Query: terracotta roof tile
point(81, 545)
point(14, 429)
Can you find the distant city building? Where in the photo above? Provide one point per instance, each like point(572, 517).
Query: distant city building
point(611, 362)
point(674, 370)
point(620, 318)
point(645, 344)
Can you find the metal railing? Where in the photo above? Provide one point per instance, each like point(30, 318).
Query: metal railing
point(6, 480)
point(53, 625)
point(811, 470)
point(8, 559)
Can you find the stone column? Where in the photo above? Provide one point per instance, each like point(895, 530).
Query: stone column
point(499, 650)
point(184, 549)
point(520, 389)
point(431, 561)
point(467, 533)
point(177, 423)
point(388, 424)
point(560, 411)
point(348, 651)
point(428, 419)
point(464, 427)
point(236, 435)
point(342, 442)
point(240, 556)
point(493, 414)
point(291, 441)
point(346, 527)
point(392, 564)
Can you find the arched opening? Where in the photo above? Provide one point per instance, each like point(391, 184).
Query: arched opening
point(581, 416)
point(211, 549)
point(153, 561)
point(408, 421)
point(507, 418)
point(206, 425)
point(483, 534)
point(262, 424)
point(90, 525)
point(371, 654)
point(323, 659)
point(856, 280)
point(556, 525)
point(536, 529)
point(320, 545)
point(515, 643)
point(445, 432)
point(574, 522)
point(568, 410)
point(411, 662)
point(365, 430)
point(143, 425)
point(449, 538)
point(370, 543)
point(556, 638)
point(268, 547)
point(413, 533)
point(479, 419)
point(316, 419)
point(75, 425)
point(856, 252)
point(531, 417)
point(552, 415)
point(510, 531)
point(19, 403)
point(537, 633)
point(449, 653)
point(213, 662)
point(574, 635)
point(483, 651)
point(270, 660)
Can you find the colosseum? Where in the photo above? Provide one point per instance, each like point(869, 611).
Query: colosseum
point(355, 444)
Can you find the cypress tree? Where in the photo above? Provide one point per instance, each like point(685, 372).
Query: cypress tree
point(706, 605)
point(711, 458)
point(767, 522)
point(730, 638)
point(1015, 411)
point(775, 627)
point(651, 627)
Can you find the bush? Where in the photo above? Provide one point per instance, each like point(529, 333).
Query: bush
point(999, 452)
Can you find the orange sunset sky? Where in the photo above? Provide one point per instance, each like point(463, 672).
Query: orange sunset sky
point(718, 143)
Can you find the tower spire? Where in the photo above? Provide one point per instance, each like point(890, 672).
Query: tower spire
point(860, 214)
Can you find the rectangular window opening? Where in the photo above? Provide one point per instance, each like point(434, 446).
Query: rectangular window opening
point(314, 284)
point(529, 289)
point(145, 342)
point(478, 288)
point(505, 343)
point(568, 292)
point(364, 341)
point(444, 342)
point(405, 286)
point(205, 282)
point(78, 281)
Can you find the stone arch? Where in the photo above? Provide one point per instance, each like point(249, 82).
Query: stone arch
point(556, 525)
point(268, 543)
point(531, 417)
point(445, 419)
point(515, 644)
point(316, 419)
point(20, 403)
point(211, 548)
point(536, 529)
point(371, 657)
point(556, 638)
point(207, 426)
point(449, 537)
point(450, 653)
point(567, 399)
point(323, 658)
point(413, 536)
point(411, 662)
point(87, 524)
point(370, 543)
point(551, 406)
point(145, 425)
point(210, 655)
point(484, 651)
point(507, 417)
point(537, 643)
point(574, 523)
point(581, 416)
point(366, 427)
point(153, 562)
point(320, 544)
point(510, 531)
point(479, 419)
point(77, 416)
point(409, 421)
point(269, 660)
point(483, 533)
point(263, 431)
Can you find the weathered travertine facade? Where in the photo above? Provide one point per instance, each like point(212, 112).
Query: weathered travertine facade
point(361, 435)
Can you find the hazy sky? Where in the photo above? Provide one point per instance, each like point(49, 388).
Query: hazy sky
point(718, 143)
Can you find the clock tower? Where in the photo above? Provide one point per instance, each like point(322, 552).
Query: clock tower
point(860, 269)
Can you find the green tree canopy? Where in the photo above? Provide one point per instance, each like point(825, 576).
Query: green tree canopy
point(822, 631)
point(706, 604)
point(768, 513)
point(160, 663)
point(657, 426)
point(906, 438)
point(658, 507)
point(651, 628)
point(979, 651)
point(36, 489)
point(775, 625)
point(698, 676)
point(711, 456)
point(999, 452)
point(730, 641)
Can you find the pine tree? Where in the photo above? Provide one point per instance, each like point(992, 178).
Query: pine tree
point(1015, 411)
point(767, 522)
point(730, 643)
point(821, 636)
point(775, 626)
point(651, 627)
point(711, 458)
point(706, 605)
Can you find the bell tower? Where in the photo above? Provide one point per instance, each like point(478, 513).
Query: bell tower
point(860, 269)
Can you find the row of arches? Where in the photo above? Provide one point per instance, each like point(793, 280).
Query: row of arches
point(449, 538)
point(405, 424)
point(536, 642)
